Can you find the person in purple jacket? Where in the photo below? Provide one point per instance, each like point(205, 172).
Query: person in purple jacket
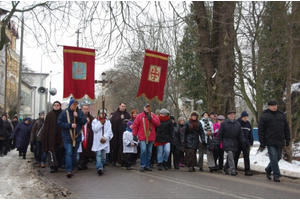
point(21, 135)
point(247, 131)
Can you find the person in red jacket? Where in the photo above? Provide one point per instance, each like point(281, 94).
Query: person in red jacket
point(144, 128)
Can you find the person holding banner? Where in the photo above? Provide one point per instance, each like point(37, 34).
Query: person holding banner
point(144, 127)
point(71, 141)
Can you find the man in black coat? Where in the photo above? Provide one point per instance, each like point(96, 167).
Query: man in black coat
point(231, 135)
point(118, 127)
point(2, 136)
point(273, 132)
point(247, 132)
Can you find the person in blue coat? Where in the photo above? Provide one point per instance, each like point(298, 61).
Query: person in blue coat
point(66, 123)
point(21, 135)
point(247, 131)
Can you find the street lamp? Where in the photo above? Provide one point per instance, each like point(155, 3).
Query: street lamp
point(51, 89)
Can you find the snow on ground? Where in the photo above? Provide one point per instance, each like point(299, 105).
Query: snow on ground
point(19, 179)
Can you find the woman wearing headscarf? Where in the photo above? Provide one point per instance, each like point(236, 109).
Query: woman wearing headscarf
point(22, 136)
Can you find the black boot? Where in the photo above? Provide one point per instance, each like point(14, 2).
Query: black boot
point(165, 165)
point(159, 166)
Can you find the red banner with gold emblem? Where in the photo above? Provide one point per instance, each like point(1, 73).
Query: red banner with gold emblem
point(79, 70)
point(154, 75)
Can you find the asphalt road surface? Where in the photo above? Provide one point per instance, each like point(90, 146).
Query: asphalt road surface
point(119, 183)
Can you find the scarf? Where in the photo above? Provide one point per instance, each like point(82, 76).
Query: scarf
point(163, 118)
point(128, 129)
point(206, 124)
point(194, 125)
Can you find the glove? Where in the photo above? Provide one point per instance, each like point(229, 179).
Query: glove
point(149, 117)
point(135, 138)
point(287, 143)
point(32, 146)
point(261, 147)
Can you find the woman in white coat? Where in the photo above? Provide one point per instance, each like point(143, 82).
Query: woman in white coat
point(102, 135)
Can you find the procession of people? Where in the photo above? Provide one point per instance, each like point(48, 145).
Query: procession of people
point(122, 136)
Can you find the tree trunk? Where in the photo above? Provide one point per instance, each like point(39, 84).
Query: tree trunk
point(217, 53)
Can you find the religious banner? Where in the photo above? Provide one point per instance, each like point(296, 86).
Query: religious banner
point(154, 75)
point(79, 70)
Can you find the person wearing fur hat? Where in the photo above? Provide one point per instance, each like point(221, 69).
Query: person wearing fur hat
point(164, 134)
point(36, 139)
point(191, 133)
point(129, 146)
point(207, 126)
point(247, 132)
point(68, 125)
point(102, 135)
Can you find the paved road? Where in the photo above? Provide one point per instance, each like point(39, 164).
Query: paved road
point(119, 183)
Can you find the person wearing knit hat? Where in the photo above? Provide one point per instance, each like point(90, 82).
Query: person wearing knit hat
point(129, 146)
point(164, 134)
point(67, 124)
point(248, 135)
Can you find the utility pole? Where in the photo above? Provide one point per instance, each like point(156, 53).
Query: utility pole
point(20, 67)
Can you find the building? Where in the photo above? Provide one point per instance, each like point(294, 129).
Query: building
point(37, 82)
point(9, 68)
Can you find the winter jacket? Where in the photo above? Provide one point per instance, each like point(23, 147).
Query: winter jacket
point(35, 130)
point(191, 138)
point(164, 132)
point(2, 134)
point(108, 134)
point(66, 126)
point(247, 131)
point(138, 126)
point(22, 135)
point(230, 133)
point(216, 131)
point(127, 140)
point(7, 129)
point(273, 129)
point(176, 135)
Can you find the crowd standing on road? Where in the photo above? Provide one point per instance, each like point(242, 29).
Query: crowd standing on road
point(151, 137)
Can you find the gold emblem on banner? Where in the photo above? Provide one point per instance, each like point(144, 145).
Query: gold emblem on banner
point(154, 73)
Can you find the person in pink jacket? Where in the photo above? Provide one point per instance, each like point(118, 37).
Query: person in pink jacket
point(145, 122)
point(219, 153)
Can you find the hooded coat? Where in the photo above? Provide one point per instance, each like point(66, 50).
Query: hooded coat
point(22, 135)
point(67, 126)
point(191, 138)
point(51, 132)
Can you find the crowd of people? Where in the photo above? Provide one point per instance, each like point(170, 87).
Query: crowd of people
point(72, 138)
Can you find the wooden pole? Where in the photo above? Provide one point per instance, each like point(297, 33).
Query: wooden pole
point(148, 127)
point(74, 130)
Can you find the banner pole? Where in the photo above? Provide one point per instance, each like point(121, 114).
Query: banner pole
point(74, 130)
point(148, 127)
